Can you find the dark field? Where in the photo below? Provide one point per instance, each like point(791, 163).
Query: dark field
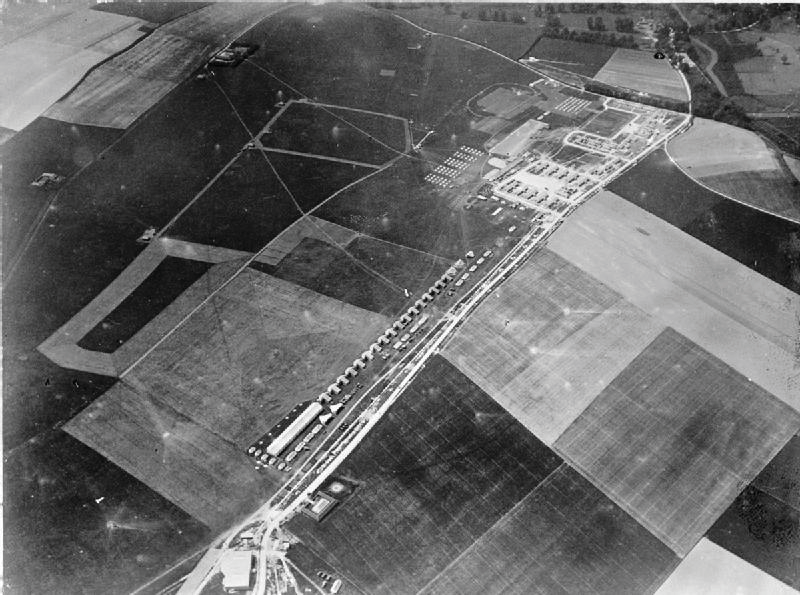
point(762, 526)
point(327, 269)
point(574, 56)
point(438, 471)
point(441, 73)
point(247, 207)
point(757, 240)
point(673, 437)
point(398, 206)
point(314, 129)
point(165, 283)
point(563, 537)
point(45, 145)
point(74, 544)
point(608, 122)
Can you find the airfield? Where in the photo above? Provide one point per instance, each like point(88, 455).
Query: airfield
point(576, 432)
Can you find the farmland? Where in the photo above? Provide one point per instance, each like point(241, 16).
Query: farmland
point(565, 536)
point(321, 130)
point(548, 342)
point(638, 70)
point(441, 468)
point(762, 526)
point(66, 47)
point(758, 240)
point(672, 437)
point(688, 286)
point(122, 89)
point(737, 163)
point(230, 372)
point(608, 122)
point(573, 56)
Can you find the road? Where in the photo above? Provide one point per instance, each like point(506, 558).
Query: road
point(337, 445)
point(710, 68)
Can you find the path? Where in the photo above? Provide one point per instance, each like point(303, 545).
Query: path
point(713, 62)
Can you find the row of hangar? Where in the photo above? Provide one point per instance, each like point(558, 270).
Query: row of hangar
point(285, 432)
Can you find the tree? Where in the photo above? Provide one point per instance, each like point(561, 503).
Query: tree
point(590, 23)
point(482, 15)
point(464, 14)
point(598, 24)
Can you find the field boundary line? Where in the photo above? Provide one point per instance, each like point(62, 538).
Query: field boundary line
point(511, 510)
point(264, 147)
point(722, 194)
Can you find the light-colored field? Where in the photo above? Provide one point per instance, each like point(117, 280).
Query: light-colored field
point(768, 74)
point(507, 102)
point(793, 164)
point(712, 570)
point(675, 437)
point(744, 319)
point(738, 164)
point(38, 67)
point(638, 70)
point(548, 342)
point(252, 352)
point(118, 92)
point(308, 227)
point(181, 417)
point(190, 465)
point(711, 148)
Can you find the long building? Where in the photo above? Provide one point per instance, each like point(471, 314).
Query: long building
point(300, 423)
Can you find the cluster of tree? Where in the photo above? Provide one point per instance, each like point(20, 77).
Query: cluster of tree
point(623, 24)
point(554, 29)
point(500, 16)
point(595, 24)
point(583, 8)
point(656, 101)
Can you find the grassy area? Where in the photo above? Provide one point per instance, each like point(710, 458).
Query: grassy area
point(608, 122)
point(686, 429)
point(66, 495)
point(309, 128)
point(398, 206)
point(153, 12)
point(357, 276)
point(573, 56)
point(165, 283)
point(247, 207)
point(441, 468)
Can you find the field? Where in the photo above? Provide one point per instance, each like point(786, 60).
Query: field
point(65, 48)
point(248, 207)
point(236, 366)
point(573, 56)
point(507, 102)
point(162, 286)
point(674, 436)
point(634, 69)
point(608, 122)
point(398, 206)
point(755, 239)
point(548, 341)
point(762, 526)
point(440, 468)
point(122, 89)
point(738, 316)
point(564, 537)
point(365, 272)
point(335, 132)
point(739, 164)
point(510, 39)
point(711, 570)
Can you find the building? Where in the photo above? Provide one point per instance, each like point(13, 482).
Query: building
point(334, 389)
point(351, 372)
point(323, 398)
point(358, 364)
point(320, 506)
point(236, 567)
point(342, 380)
point(517, 142)
point(300, 423)
point(367, 356)
point(376, 348)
